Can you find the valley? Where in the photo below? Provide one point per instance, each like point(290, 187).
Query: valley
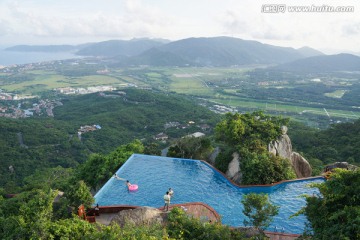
point(316, 99)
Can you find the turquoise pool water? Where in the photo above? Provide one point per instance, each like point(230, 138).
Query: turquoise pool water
point(195, 181)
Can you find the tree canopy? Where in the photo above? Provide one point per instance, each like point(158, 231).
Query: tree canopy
point(258, 210)
point(338, 143)
point(336, 213)
point(249, 129)
point(191, 147)
point(99, 168)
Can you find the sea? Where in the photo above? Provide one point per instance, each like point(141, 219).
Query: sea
point(8, 58)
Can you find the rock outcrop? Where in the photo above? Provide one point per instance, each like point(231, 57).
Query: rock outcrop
point(301, 167)
point(282, 147)
point(344, 165)
point(234, 172)
point(211, 159)
point(140, 216)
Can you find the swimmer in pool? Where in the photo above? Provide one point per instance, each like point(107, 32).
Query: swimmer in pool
point(128, 184)
point(171, 192)
point(118, 178)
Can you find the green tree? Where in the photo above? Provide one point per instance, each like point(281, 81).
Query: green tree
point(264, 168)
point(259, 210)
point(224, 157)
point(336, 214)
point(72, 228)
point(181, 226)
point(338, 143)
point(243, 129)
point(152, 148)
point(191, 147)
point(94, 170)
point(32, 219)
point(78, 194)
point(49, 178)
point(99, 168)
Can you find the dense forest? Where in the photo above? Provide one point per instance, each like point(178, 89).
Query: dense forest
point(39, 142)
point(338, 143)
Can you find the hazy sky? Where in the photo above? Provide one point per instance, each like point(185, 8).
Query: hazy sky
point(80, 21)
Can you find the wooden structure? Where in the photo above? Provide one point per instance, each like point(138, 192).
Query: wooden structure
point(82, 214)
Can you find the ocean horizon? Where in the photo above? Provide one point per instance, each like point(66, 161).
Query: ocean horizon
point(8, 58)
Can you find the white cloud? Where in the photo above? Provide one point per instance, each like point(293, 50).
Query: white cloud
point(317, 29)
point(253, 26)
point(134, 20)
point(90, 20)
point(351, 29)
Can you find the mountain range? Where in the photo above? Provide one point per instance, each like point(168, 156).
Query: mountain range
point(217, 52)
point(325, 63)
point(209, 52)
point(214, 51)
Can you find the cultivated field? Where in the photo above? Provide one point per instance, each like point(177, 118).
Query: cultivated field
point(218, 85)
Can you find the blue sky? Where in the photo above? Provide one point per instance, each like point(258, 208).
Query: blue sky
point(80, 21)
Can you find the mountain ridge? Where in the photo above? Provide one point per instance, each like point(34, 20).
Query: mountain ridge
point(324, 63)
point(227, 51)
point(203, 51)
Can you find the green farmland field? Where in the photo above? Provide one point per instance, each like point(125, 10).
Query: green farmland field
point(231, 86)
point(234, 102)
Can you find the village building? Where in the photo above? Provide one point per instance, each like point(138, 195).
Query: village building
point(161, 136)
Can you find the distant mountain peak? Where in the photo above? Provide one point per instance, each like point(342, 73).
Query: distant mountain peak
point(309, 52)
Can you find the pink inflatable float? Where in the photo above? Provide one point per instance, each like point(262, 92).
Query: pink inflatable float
point(133, 187)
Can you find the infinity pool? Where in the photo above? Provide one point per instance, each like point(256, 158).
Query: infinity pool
point(195, 181)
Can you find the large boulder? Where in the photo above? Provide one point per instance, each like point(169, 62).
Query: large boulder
point(234, 172)
point(301, 167)
point(213, 155)
point(281, 147)
point(344, 165)
point(140, 216)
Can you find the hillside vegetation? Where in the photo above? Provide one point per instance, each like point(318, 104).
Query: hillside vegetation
point(33, 214)
point(339, 143)
point(37, 143)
